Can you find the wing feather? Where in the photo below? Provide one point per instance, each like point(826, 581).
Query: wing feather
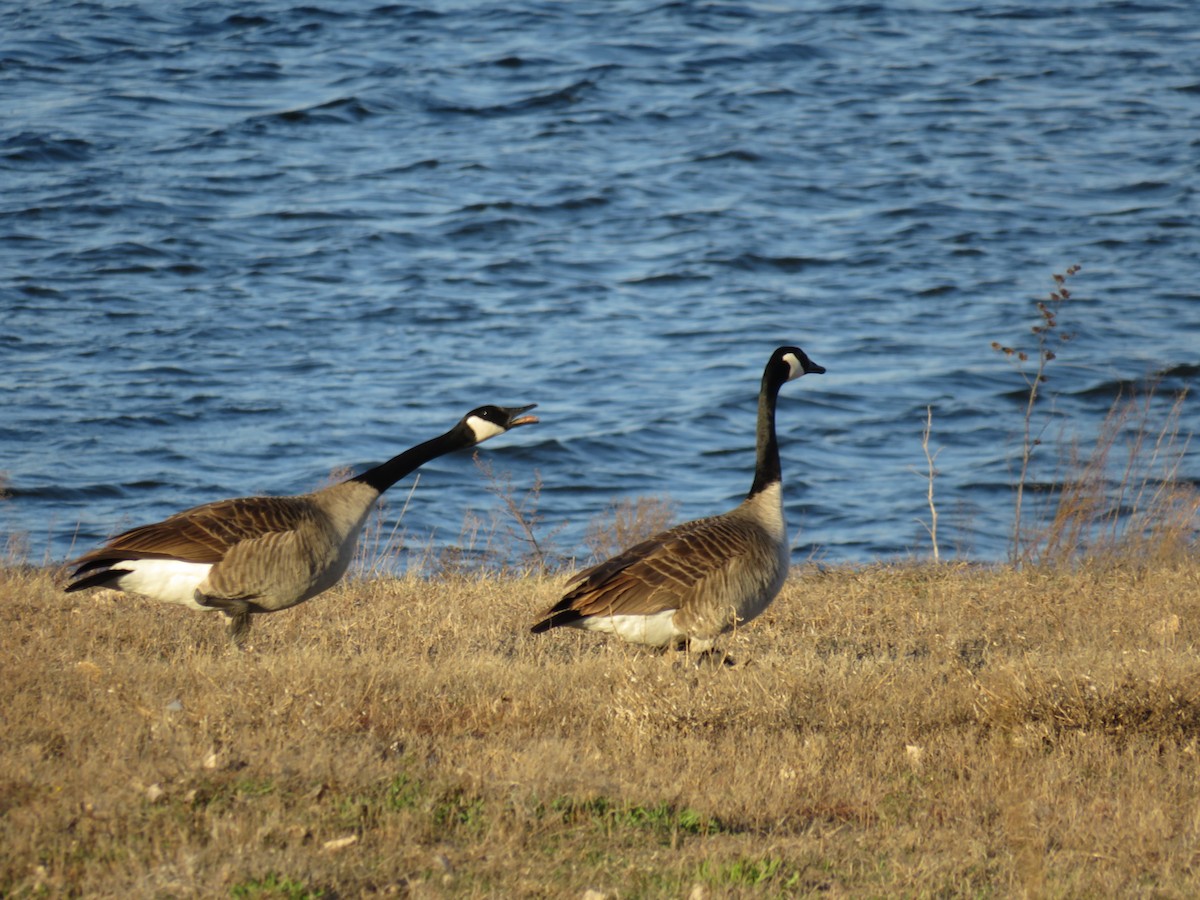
point(204, 534)
point(661, 573)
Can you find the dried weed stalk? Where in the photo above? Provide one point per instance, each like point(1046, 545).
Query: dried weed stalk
point(626, 522)
point(535, 554)
point(1123, 501)
point(1048, 337)
point(930, 475)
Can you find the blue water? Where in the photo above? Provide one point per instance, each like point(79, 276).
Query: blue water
point(242, 245)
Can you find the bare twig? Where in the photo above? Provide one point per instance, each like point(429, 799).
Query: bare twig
point(1048, 337)
point(932, 473)
point(523, 511)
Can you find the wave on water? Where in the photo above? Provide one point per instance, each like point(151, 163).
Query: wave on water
point(40, 148)
point(243, 245)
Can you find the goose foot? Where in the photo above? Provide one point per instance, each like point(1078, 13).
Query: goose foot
point(704, 653)
point(718, 659)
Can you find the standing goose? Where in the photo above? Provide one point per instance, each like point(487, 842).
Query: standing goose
point(693, 582)
point(262, 554)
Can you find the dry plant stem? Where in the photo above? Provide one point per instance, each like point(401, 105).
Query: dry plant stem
point(932, 473)
point(386, 550)
point(627, 522)
point(1153, 504)
point(1137, 509)
point(1027, 445)
point(1047, 329)
point(1029, 442)
point(523, 512)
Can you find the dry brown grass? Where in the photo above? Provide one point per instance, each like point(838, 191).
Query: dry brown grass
point(895, 731)
point(1123, 499)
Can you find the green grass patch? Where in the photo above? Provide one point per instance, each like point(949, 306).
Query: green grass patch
point(273, 886)
point(459, 810)
point(403, 793)
point(664, 820)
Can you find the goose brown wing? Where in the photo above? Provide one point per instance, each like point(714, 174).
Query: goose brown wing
point(204, 534)
point(660, 573)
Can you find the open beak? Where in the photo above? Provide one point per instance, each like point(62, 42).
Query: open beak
point(515, 418)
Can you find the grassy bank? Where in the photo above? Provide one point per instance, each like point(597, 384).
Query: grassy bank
point(891, 731)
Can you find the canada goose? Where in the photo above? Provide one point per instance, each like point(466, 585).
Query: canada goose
point(693, 582)
point(262, 554)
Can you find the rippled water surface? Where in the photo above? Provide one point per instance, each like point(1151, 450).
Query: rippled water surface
point(242, 245)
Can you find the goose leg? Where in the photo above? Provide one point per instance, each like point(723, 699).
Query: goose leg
point(239, 626)
point(237, 609)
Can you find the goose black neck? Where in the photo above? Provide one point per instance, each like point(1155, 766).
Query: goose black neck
point(384, 475)
point(767, 470)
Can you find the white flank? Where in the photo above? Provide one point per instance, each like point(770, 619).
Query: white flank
point(168, 580)
point(657, 630)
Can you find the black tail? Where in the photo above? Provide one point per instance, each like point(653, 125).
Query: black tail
point(107, 578)
point(555, 619)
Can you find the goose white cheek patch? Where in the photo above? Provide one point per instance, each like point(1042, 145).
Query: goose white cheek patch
point(483, 429)
point(794, 365)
